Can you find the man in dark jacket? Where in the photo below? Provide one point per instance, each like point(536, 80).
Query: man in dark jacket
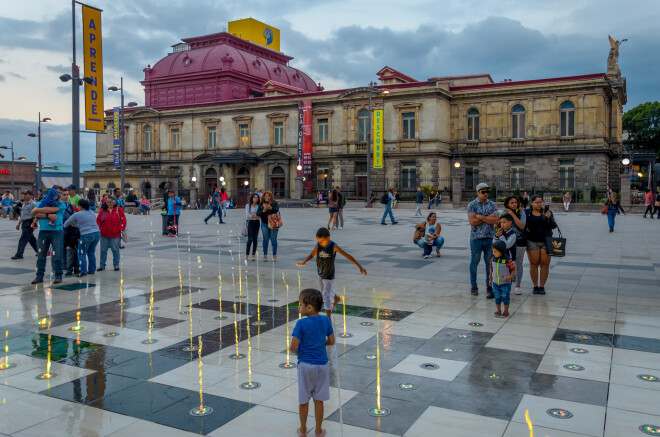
point(341, 202)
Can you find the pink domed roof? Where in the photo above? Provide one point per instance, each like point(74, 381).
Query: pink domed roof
point(225, 53)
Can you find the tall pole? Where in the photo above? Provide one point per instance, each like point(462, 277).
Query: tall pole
point(39, 154)
point(369, 149)
point(75, 106)
point(121, 130)
point(12, 169)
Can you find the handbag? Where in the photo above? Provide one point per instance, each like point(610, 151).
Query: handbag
point(419, 232)
point(275, 221)
point(605, 208)
point(556, 246)
point(124, 235)
point(244, 232)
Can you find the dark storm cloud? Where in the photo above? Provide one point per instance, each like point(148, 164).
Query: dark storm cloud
point(16, 75)
point(55, 141)
point(58, 68)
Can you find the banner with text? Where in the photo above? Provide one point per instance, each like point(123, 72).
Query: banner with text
point(93, 57)
point(378, 138)
point(115, 137)
point(307, 138)
point(301, 122)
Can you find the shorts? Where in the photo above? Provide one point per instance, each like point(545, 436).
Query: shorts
point(328, 294)
point(536, 245)
point(313, 382)
point(333, 209)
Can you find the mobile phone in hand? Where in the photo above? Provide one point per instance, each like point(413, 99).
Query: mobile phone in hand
point(547, 208)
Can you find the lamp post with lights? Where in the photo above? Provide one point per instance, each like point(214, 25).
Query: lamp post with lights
point(38, 135)
point(122, 144)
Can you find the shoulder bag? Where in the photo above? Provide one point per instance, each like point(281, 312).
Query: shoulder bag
point(556, 246)
point(275, 221)
point(419, 232)
point(244, 232)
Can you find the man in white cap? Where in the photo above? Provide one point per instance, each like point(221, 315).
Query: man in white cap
point(482, 215)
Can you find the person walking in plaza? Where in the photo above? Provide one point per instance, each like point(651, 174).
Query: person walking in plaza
point(224, 203)
point(422, 229)
point(567, 200)
point(649, 203)
point(267, 207)
point(313, 332)
point(388, 207)
point(90, 234)
point(325, 252)
point(50, 212)
point(333, 209)
point(419, 199)
point(512, 208)
point(252, 223)
point(431, 199)
point(539, 226)
point(613, 207)
point(502, 271)
point(215, 206)
point(438, 199)
point(173, 214)
point(25, 225)
point(482, 216)
point(111, 221)
point(340, 204)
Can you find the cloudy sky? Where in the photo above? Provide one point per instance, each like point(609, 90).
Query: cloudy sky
point(339, 43)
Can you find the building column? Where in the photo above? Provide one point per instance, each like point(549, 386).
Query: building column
point(456, 190)
point(625, 191)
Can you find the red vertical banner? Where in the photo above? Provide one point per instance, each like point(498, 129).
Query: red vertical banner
point(301, 123)
point(307, 137)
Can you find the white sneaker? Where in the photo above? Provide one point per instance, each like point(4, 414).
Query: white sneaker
point(518, 290)
point(341, 227)
point(427, 256)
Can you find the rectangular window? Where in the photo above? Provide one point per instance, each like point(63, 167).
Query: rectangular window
point(408, 123)
point(517, 174)
point(568, 123)
point(278, 133)
point(473, 127)
point(176, 139)
point(518, 125)
point(408, 175)
point(471, 175)
point(148, 139)
point(363, 129)
point(566, 174)
point(211, 137)
point(323, 130)
point(322, 176)
point(244, 133)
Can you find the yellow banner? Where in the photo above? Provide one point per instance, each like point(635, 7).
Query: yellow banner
point(93, 56)
point(378, 138)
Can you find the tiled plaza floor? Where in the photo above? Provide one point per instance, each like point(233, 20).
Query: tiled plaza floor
point(584, 360)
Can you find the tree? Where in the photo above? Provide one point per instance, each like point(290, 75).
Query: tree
point(643, 125)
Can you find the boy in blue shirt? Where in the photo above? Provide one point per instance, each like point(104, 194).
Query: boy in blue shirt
point(310, 337)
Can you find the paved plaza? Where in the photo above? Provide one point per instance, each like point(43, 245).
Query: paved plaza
point(583, 360)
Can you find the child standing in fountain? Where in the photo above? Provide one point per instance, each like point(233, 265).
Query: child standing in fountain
point(310, 337)
point(325, 252)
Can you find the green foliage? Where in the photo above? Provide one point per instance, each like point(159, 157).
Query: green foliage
point(643, 125)
point(557, 199)
point(594, 193)
point(426, 189)
point(516, 191)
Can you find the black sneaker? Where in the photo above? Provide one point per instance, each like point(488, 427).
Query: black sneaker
point(68, 274)
point(537, 290)
point(57, 281)
point(474, 291)
point(490, 294)
point(394, 223)
point(100, 269)
point(16, 257)
point(541, 290)
point(205, 222)
point(116, 268)
point(37, 281)
point(383, 223)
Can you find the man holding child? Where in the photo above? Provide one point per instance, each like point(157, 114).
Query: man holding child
point(482, 215)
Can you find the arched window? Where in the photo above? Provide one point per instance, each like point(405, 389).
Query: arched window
point(111, 186)
point(567, 119)
point(278, 171)
point(148, 139)
point(473, 125)
point(363, 125)
point(97, 188)
point(518, 122)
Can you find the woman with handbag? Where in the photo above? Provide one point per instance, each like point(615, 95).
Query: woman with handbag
point(111, 221)
point(539, 226)
point(612, 208)
point(269, 212)
point(252, 225)
point(511, 207)
point(422, 229)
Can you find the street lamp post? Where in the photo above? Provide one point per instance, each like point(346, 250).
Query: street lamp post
point(38, 135)
point(122, 144)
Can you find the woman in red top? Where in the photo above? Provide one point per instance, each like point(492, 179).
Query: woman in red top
point(111, 221)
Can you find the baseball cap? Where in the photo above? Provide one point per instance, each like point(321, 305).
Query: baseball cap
point(27, 192)
point(71, 187)
point(482, 185)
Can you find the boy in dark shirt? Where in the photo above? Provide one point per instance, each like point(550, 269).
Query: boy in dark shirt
point(311, 335)
point(325, 252)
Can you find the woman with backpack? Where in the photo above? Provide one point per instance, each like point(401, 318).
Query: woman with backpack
point(111, 221)
point(387, 200)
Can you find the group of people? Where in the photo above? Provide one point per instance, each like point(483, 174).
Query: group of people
point(652, 203)
point(69, 231)
point(261, 211)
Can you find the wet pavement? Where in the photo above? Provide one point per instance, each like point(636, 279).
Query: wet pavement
point(583, 360)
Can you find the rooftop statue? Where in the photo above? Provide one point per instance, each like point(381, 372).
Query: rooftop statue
point(613, 57)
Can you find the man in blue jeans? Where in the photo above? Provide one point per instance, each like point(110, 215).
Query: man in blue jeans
point(215, 207)
point(388, 208)
point(50, 212)
point(482, 215)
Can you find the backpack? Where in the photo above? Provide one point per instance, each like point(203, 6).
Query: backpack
point(384, 199)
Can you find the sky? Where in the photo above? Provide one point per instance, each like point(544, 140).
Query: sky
point(340, 43)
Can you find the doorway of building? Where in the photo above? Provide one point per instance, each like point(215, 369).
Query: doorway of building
point(361, 186)
point(242, 188)
point(278, 188)
point(146, 190)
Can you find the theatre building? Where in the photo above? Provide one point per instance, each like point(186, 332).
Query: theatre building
point(223, 110)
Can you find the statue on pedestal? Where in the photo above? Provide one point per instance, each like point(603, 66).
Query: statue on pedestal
point(613, 58)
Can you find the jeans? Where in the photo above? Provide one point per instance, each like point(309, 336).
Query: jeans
point(223, 209)
point(437, 243)
point(430, 203)
point(72, 260)
point(427, 249)
point(92, 208)
point(502, 293)
point(388, 210)
point(651, 209)
point(214, 211)
point(610, 217)
point(252, 237)
point(53, 241)
point(477, 247)
point(27, 236)
point(418, 211)
point(144, 208)
point(269, 234)
point(6, 208)
point(113, 244)
point(340, 218)
point(86, 252)
point(437, 202)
